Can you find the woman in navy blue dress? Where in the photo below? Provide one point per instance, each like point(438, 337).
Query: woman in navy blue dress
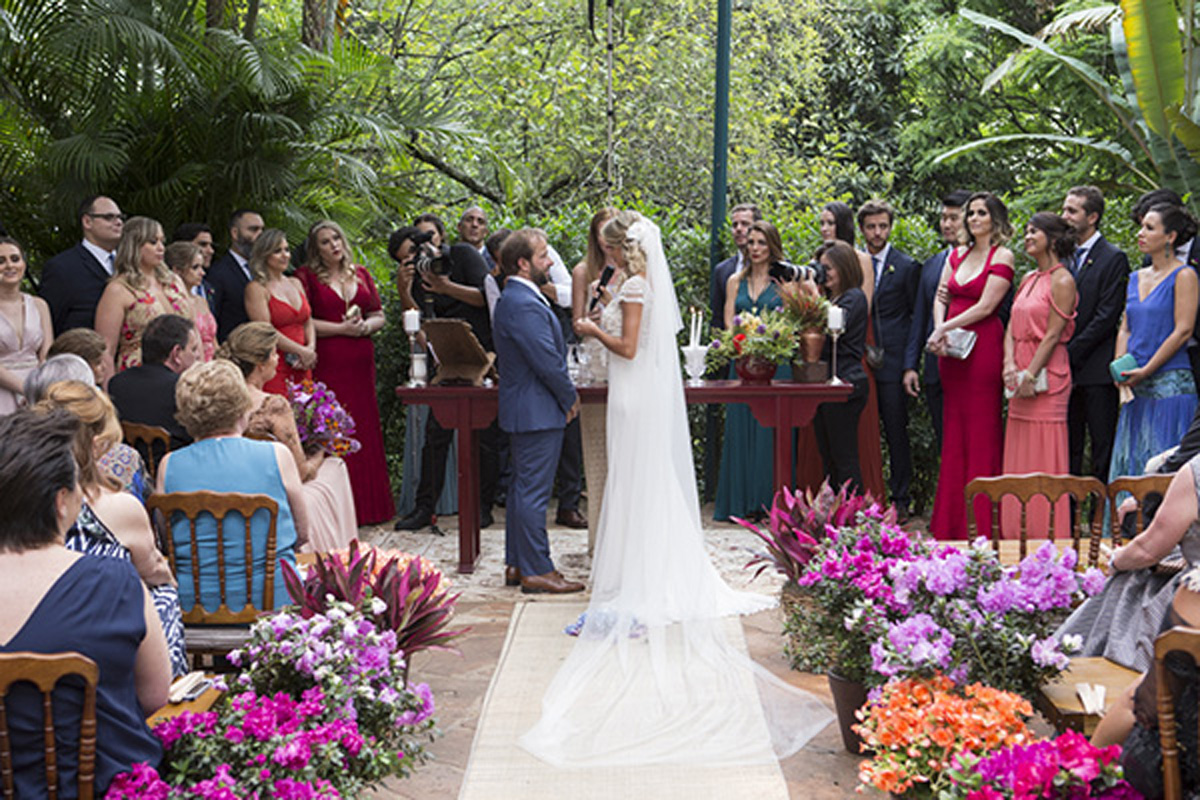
point(66, 601)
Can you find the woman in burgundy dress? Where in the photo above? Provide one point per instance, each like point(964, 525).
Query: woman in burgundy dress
point(346, 311)
point(976, 279)
point(275, 298)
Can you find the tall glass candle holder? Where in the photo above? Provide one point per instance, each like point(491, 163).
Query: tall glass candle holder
point(837, 324)
point(418, 371)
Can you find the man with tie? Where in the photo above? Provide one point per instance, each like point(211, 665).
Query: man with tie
point(1101, 277)
point(896, 278)
point(231, 273)
point(73, 280)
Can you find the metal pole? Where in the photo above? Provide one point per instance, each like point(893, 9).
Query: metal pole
point(608, 168)
point(720, 128)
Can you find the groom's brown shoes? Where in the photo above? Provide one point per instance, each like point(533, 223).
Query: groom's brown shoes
point(550, 583)
point(512, 576)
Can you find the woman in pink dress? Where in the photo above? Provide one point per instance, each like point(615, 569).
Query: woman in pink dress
point(347, 311)
point(25, 330)
point(1035, 345)
point(975, 279)
point(187, 261)
point(275, 298)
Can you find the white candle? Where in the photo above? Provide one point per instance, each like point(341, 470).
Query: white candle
point(412, 320)
point(837, 318)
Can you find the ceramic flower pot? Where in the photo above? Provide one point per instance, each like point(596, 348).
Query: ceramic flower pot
point(848, 697)
point(811, 344)
point(754, 369)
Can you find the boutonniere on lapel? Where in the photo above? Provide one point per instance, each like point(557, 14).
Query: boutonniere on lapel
point(890, 269)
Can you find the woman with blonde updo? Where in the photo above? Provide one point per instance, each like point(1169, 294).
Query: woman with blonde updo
point(141, 289)
point(214, 404)
point(253, 349)
point(112, 522)
point(187, 261)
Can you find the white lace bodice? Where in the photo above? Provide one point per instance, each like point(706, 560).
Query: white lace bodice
point(633, 290)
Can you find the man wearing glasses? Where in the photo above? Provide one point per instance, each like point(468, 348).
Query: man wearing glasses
point(73, 280)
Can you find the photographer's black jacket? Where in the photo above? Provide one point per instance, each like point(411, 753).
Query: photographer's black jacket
point(467, 268)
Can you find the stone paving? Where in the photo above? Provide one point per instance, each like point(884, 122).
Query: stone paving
point(821, 771)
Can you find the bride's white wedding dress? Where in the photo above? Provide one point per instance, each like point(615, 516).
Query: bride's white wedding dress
point(656, 676)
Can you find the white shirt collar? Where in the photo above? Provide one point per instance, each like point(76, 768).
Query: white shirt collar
point(102, 255)
point(533, 286)
point(879, 260)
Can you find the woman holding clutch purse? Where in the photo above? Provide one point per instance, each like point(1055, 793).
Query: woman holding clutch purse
point(974, 282)
point(1160, 313)
point(1037, 373)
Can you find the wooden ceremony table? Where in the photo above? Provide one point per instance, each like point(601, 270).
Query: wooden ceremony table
point(781, 405)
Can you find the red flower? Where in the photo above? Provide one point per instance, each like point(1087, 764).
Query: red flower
point(737, 342)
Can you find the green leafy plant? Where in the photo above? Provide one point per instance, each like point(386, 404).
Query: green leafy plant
point(767, 335)
point(805, 311)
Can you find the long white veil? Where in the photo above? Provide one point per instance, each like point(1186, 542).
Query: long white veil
point(657, 675)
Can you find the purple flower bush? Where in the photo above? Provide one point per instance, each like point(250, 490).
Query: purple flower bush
point(321, 420)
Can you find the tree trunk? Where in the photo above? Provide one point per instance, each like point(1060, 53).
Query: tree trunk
point(251, 20)
point(313, 30)
point(214, 13)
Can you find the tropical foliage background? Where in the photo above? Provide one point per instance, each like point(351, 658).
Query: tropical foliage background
point(369, 111)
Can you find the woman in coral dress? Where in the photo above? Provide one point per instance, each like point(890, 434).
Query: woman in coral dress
point(1043, 319)
point(346, 311)
point(976, 279)
point(279, 300)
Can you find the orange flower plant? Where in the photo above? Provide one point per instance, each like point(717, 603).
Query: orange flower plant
point(918, 727)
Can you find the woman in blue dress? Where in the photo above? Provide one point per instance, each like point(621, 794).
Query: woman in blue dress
point(746, 485)
point(1160, 313)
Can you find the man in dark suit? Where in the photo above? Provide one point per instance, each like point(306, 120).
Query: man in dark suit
point(922, 321)
point(73, 280)
point(146, 393)
point(230, 274)
point(537, 400)
point(199, 234)
point(1101, 277)
point(896, 278)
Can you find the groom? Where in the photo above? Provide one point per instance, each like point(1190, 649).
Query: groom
point(537, 400)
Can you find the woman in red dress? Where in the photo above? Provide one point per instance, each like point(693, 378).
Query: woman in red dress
point(346, 311)
point(976, 279)
point(275, 298)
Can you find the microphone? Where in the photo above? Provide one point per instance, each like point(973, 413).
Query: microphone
point(605, 277)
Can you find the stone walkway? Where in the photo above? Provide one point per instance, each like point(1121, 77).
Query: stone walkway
point(821, 771)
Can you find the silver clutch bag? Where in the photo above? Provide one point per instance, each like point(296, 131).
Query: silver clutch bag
point(960, 342)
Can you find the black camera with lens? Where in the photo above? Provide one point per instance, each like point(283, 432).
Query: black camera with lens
point(786, 271)
point(431, 258)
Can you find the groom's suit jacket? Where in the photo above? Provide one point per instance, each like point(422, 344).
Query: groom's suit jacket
point(535, 390)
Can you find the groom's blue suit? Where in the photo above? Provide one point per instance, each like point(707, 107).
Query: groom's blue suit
point(536, 395)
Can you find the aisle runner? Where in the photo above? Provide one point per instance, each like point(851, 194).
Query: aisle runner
point(499, 769)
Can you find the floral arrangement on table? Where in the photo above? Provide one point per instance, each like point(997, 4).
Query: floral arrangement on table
point(920, 728)
point(767, 335)
point(321, 420)
point(321, 708)
point(400, 592)
point(807, 312)
point(1064, 767)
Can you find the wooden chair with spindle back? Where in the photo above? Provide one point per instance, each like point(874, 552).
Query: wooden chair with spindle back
point(45, 670)
point(151, 442)
point(1141, 487)
point(1023, 488)
point(1176, 640)
point(209, 632)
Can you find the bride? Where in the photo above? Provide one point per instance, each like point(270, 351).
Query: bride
point(656, 675)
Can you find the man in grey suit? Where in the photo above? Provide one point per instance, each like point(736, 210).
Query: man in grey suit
point(73, 280)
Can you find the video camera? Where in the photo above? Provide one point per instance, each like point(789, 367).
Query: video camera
point(431, 258)
point(786, 271)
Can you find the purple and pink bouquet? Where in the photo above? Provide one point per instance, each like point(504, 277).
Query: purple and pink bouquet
point(322, 422)
point(1065, 767)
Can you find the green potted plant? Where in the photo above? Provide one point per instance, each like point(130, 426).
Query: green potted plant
point(809, 314)
point(756, 343)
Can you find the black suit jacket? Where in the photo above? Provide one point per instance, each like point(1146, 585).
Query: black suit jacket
point(146, 394)
point(922, 318)
point(72, 283)
point(228, 299)
point(892, 312)
point(1100, 284)
point(720, 277)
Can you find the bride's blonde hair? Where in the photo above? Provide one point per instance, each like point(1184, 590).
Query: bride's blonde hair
point(615, 233)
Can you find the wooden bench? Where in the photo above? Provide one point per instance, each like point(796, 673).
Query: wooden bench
point(1061, 706)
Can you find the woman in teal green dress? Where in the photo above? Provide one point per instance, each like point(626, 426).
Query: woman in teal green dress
point(746, 486)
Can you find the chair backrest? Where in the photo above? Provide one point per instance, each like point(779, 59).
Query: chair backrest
point(220, 504)
point(151, 442)
point(44, 671)
point(1053, 487)
point(1179, 639)
point(1141, 487)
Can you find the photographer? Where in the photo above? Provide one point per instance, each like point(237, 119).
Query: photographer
point(843, 285)
point(443, 283)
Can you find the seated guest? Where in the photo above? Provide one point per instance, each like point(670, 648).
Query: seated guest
point(1175, 524)
point(187, 261)
point(91, 347)
point(213, 404)
point(25, 330)
point(63, 602)
point(112, 523)
point(146, 394)
point(327, 493)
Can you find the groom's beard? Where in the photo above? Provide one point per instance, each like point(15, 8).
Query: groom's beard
point(539, 278)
